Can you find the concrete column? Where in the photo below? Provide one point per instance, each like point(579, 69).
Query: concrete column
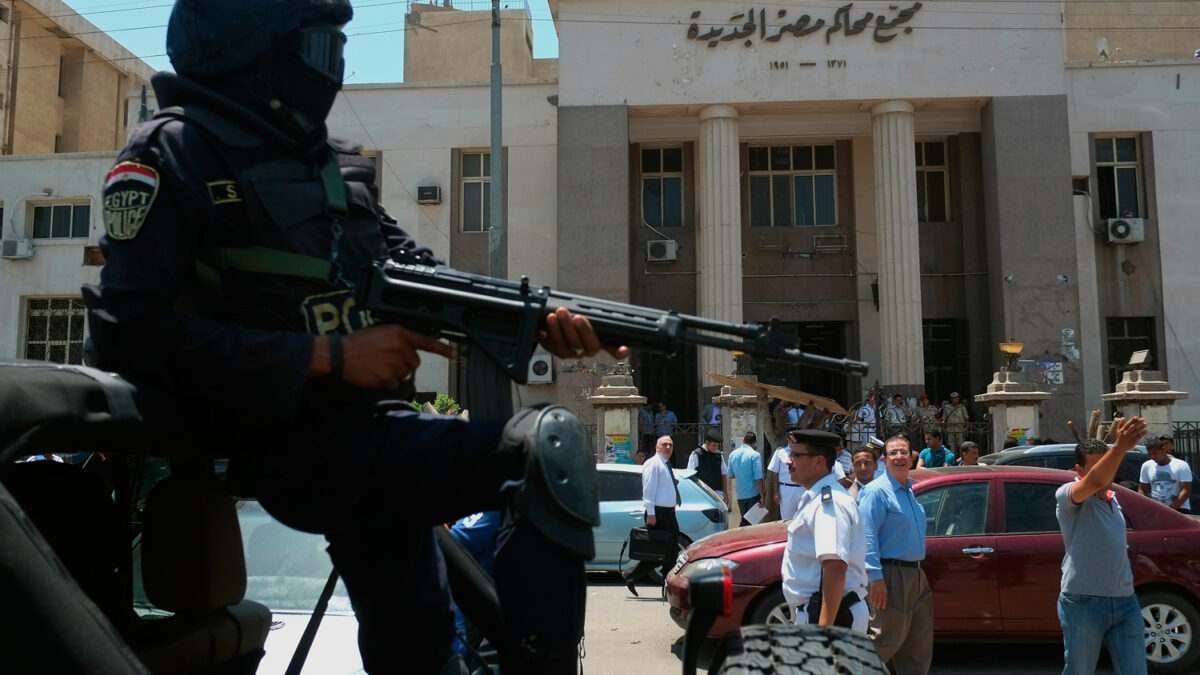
point(719, 235)
point(1144, 393)
point(739, 414)
point(1014, 405)
point(903, 367)
point(617, 403)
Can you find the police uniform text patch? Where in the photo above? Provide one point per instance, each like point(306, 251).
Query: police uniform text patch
point(223, 192)
point(129, 192)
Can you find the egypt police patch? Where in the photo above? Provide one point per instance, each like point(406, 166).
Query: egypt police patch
point(129, 192)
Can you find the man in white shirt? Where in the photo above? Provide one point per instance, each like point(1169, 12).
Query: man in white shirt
point(787, 493)
point(660, 496)
point(827, 544)
point(1166, 479)
point(710, 466)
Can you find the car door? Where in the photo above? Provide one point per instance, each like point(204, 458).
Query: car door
point(620, 510)
point(1029, 549)
point(960, 556)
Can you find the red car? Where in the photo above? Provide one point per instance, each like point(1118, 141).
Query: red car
point(993, 556)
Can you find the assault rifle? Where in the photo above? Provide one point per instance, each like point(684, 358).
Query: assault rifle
point(502, 318)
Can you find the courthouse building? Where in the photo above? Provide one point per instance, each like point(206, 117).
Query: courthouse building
point(908, 183)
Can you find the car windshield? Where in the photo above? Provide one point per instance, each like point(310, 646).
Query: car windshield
point(285, 569)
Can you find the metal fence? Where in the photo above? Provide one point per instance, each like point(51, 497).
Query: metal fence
point(1187, 442)
point(914, 430)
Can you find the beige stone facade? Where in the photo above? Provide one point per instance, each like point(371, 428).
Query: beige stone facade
point(64, 83)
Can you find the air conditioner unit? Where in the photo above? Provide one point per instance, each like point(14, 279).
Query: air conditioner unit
point(662, 250)
point(429, 194)
point(541, 369)
point(1124, 230)
point(16, 249)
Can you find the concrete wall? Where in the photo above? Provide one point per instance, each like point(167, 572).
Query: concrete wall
point(955, 49)
point(449, 45)
point(57, 267)
point(37, 107)
point(1130, 31)
point(64, 82)
point(416, 128)
point(1031, 241)
point(1159, 102)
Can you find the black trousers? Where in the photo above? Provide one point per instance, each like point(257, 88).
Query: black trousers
point(664, 520)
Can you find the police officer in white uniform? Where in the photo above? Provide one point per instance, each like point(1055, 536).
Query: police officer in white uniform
point(826, 545)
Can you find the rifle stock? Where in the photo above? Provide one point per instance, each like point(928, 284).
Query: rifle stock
point(502, 318)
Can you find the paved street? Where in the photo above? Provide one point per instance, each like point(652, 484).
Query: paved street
point(624, 633)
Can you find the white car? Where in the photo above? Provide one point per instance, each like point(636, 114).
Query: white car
point(700, 514)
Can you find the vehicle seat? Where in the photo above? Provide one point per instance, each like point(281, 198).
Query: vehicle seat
point(193, 565)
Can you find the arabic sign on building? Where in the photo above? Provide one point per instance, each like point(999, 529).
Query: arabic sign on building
point(744, 26)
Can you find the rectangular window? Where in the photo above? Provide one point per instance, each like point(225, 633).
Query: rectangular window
point(793, 186)
point(931, 182)
point(54, 330)
point(476, 194)
point(662, 187)
point(1127, 335)
point(61, 221)
point(1029, 507)
point(947, 357)
point(1119, 177)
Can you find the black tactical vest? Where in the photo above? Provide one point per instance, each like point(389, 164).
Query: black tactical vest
point(708, 468)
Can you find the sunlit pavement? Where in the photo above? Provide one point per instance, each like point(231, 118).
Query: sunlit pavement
point(628, 634)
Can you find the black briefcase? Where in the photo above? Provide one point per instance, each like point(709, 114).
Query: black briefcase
point(647, 544)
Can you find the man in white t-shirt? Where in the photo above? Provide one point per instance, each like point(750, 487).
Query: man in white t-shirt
point(1166, 479)
point(787, 493)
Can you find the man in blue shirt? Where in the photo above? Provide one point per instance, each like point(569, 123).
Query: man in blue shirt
point(746, 467)
point(899, 591)
point(936, 454)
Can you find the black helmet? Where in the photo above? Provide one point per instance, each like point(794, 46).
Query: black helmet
point(214, 37)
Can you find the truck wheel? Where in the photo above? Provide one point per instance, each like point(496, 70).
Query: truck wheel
point(1172, 632)
point(807, 649)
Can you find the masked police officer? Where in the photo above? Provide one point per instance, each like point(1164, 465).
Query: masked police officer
point(235, 229)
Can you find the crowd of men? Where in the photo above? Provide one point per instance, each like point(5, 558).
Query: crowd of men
point(856, 533)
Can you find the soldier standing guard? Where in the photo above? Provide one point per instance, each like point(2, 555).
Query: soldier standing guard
point(235, 229)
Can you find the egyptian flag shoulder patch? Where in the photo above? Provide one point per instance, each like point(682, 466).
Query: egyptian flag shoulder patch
point(129, 192)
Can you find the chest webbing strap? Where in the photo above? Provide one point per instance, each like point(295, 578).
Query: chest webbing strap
point(266, 260)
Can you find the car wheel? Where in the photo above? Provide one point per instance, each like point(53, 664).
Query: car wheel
point(771, 609)
point(684, 542)
point(801, 649)
point(1171, 632)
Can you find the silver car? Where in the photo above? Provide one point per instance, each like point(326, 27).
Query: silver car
point(700, 514)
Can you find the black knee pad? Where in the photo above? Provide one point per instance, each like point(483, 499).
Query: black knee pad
point(558, 495)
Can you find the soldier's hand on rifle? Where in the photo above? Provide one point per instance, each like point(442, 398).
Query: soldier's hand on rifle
point(377, 357)
point(572, 337)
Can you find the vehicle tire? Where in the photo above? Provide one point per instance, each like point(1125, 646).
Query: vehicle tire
point(772, 609)
point(684, 542)
point(800, 649)
point(1172, 632)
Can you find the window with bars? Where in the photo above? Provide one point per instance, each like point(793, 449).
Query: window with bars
point(793, 185)
point(60, 221)
point(1119, 177)
point(54, 330)
point(476, 192)
point(931, 182)
point(662, 187)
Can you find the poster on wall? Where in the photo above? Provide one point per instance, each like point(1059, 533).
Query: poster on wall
point(616, 449)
